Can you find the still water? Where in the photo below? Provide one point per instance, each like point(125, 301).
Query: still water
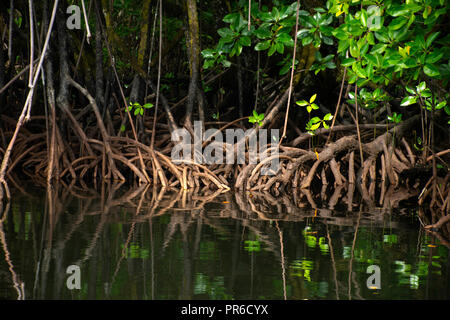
point(160, 244)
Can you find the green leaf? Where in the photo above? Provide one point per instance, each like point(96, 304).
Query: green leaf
point(398, 10)
point(303, 33)
point(314, 126)
point(208, 54)
point(434, 57)
point(431, 70)
point(447, 109)
point(260, 46)
point(285, 69)
point(330, 65)
point(280, 48)
point(326, 30)
point(372, 59)
point(327, 40)
point(238, 23)
point(364, 18)
point(122, 128)
point(328, 117)
point(230, 18)
point(420, 40)
point(426, 93)
point(354, 51)
point(226, 63)
point(343, 45)
point(245, 41)
point(397, 23)
point(410, 90)
point(263, 33)
point(314, 106)
point(338, 34)
point(364, 49)
point(422, 86)
point(302, 103)
point(310, 22)
point(382, 36)
point(148, 105)
point(315, 120)
point(266, 16)
point(207, 64)
point(378, 48)
point(313, 97)
point(362, 82)
point(226, 33)
point(275, 13)
point(325, 20)
point(408, 101)
point(285, 39)
point(370, 38)
point(351, 95)
point(136, 111)
point(309, 108)
point(355, 28)
point(359, 70)
point(307, 40)
point(431, 38)
point(272, 49)
point(440, 105)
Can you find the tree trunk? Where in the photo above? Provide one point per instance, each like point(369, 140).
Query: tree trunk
point(193, 45)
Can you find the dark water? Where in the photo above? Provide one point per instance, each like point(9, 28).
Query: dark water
point(152, 244)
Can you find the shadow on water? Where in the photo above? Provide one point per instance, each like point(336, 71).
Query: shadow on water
point(148, 243)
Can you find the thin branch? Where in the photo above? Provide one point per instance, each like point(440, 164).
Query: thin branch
point(292, 75)
point(357, 125)
point(88, 31)
point(159, 77)
point(337, 106)
point(11, 18)
point(249, 14)
point(28, 101)
point(30, 79)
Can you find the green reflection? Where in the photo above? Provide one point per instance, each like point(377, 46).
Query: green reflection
point(219, 252)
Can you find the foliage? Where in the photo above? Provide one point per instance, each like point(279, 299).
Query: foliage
point(315, 122)
point(422, 95)
point(270, 31)
point(396, 118)
point(309, 105)
point(252, 245)
point(369, 99)
point(138, 108)
point(386, 46)
point(256, 118)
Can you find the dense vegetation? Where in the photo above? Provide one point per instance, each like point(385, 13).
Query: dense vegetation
point(359, 90)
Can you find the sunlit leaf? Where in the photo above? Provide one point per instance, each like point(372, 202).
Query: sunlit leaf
point(260, 46)
point(408, 101)
point(302, 103)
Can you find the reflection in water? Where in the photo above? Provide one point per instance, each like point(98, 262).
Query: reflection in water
point(148, 243)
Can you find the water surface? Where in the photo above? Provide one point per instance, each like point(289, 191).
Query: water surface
point(156, 244)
